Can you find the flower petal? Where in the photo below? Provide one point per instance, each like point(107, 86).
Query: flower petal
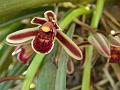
point(70, 67)
point(115, 40)
point(23, 53)
point(50, 15)
point(101, 43)
point(38, 21)
point(70, 47)
point(43, 42)
point(22, 36)
point(115, 55)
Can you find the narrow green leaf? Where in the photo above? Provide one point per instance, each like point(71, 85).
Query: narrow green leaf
point(9, 29)
point(61, 72)
point(47, 75)
point(16, 70)
point(32, 70)
point(62, 65)
point(9, 9)
point(74, 14)
point(5, 52)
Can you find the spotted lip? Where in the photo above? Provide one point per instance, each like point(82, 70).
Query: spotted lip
point(43, 42)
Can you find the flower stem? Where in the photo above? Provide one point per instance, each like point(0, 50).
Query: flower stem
point(32, 70)
point(10, 78)
point(89, 50)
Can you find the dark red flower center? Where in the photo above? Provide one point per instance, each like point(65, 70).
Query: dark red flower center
point(43, 42)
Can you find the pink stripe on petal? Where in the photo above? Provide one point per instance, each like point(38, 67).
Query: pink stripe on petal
point(71, 48)
point(22, 35)
point(38, 21)
point(101, 43)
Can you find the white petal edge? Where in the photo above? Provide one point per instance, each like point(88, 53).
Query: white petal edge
point(21, 40)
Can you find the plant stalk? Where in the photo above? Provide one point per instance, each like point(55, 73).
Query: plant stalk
point(89, 50)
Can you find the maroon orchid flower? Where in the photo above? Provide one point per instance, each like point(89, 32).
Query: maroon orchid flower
point(23, 53)
point(42, 38)
point(115, 54)
point(109, 48)
point(115, 49)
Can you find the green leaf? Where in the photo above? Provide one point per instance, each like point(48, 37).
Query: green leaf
point(62, 65)
point(74, 14)
point(16, 70)
point(4, 53)
point(89, 50)
point(9, 29)
point(47, 75)
point(61, 72)
point(32, 70)
point(11, 9)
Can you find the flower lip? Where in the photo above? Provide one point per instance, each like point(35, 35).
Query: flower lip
point(43, 42)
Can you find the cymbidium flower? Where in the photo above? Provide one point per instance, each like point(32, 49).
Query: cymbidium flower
point(115, 49)
point(23, 52)
point(42, 38)
point(109, 48)
point(115, 54)
point(101, 43)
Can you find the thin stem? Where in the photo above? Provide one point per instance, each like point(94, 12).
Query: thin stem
point(10, 78)
point(97, 13)
point(89, 50)
point(74, 14)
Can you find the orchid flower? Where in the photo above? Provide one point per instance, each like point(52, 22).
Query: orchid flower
point(41, 38)
point(109, 48)
point(115, 49)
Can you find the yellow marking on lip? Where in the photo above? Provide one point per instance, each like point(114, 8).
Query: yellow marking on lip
point(45, 29)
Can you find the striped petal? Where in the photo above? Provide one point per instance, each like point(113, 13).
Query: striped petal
point(70, 47)
point(101, 43)
point(114, 40)
point(38, 21)
point(23, 53)
point(22, 36)
point(50, 15)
